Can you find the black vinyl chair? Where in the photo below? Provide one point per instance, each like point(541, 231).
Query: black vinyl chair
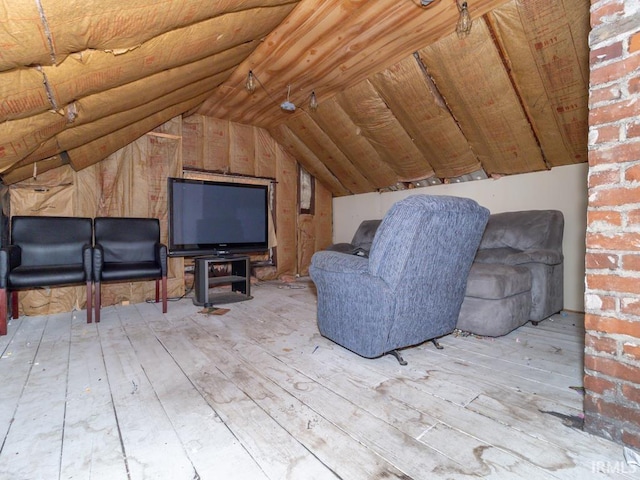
point(128, 249)
point(44, 252)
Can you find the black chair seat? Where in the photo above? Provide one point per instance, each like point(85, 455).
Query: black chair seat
point(46, 276)
point(130, 271)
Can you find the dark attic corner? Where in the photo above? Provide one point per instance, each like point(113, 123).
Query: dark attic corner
point(209, 177)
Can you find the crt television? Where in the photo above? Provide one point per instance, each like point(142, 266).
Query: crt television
point(216, 218)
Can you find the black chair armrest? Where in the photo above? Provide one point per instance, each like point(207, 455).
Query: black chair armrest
point(161, 257)
point(87, 260)
point(10, 258)
point(98, 260)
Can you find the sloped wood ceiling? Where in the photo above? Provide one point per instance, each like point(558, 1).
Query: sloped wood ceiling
point(402, 99)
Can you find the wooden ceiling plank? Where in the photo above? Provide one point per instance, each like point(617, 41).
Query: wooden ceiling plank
point(305, 157)
point(558, 109)
point(378, 34)
point(481, 97)
point(328, 153)
point(335, 122)
point(380, 127)
point(413, 99)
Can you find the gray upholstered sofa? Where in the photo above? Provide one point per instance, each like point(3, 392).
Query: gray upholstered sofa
point(517, 274)
point(362, 239)
point(411, 287)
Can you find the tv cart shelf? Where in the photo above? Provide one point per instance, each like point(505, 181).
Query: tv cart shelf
point(239, 279)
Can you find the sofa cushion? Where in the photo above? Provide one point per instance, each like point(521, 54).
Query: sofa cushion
point(494, 281)
point(47, 275)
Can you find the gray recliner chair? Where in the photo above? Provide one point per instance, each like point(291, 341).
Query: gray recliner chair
point(411, 287)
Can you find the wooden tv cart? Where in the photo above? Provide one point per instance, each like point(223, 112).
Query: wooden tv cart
point(239, 279)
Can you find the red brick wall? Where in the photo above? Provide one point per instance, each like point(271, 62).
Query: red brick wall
point(612, 301)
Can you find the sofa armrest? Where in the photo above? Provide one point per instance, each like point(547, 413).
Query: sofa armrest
point(161, 257)
point(547, 257)
point(10, 258)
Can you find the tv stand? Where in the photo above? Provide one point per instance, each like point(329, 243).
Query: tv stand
point(240, 279)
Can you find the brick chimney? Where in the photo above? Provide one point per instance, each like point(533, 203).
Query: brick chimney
point(612, 298)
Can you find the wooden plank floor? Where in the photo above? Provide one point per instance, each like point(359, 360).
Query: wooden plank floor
point(257, 393)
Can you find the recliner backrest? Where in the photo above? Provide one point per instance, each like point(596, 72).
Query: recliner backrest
point(418, 234)
point(127, 239)
point(51, 240)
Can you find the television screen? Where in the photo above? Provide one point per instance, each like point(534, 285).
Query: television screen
point(216, 217)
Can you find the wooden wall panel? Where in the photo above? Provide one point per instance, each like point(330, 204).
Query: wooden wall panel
point(286, 212)
point(242, 150)
point(231, 149)
point(265, 150)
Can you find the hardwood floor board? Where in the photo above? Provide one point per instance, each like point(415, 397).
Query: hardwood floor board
point(546, 340)
point(379, 362)
point(399, 449)
point(499, 366)
point(587, 450)
point(258, 393)
point(278, 454)
point(305, 424)
point(151, 446)
point(565, 321)
point(384, 398)
point(513, 351)
point(33, 445)
point(463, 370)
point(423, 358)
point(403, 393)
point(385, 408)
point(91, 441)
point(16, 363)
point(13, 325)
point(210, 445)
point(487, 460)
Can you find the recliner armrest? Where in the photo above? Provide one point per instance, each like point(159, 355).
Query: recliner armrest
point(340, 262)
